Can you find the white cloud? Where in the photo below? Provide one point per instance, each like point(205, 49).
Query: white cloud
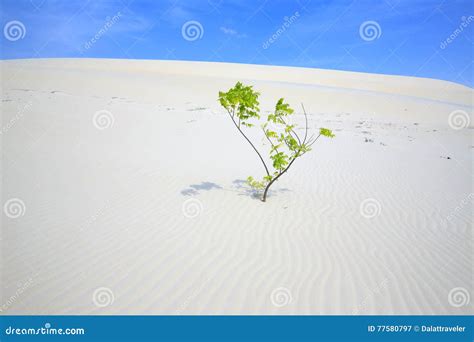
point(232, 32)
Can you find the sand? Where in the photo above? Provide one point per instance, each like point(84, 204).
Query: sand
point(127, 178)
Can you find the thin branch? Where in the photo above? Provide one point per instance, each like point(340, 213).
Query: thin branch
point(271, 142)
point(292, 131)
point(248, 140)
point(306, 120)
point(312, 142)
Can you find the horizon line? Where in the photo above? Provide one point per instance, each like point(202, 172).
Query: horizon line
point(251, 64)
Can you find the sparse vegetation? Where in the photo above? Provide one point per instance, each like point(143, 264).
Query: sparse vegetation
point(242, 105)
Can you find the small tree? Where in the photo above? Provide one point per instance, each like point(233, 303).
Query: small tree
point(241, 103)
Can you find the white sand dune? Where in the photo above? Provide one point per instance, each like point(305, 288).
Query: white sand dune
point(106, 227)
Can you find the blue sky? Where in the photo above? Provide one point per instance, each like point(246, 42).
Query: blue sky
point(403, 37)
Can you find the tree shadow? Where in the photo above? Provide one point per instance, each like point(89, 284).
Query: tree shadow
point(245, 190)
point(195, 189)
point(240, 186)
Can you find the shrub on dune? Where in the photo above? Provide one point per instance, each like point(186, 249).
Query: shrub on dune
point(286, 146)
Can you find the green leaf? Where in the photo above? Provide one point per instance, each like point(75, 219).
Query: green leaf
point(242, 101)
point(268, 178)
point(271, 134)
point(280, 160)
point(256, 184)
point(326, 132)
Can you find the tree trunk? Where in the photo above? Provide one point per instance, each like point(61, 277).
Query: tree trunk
point(264, 197)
